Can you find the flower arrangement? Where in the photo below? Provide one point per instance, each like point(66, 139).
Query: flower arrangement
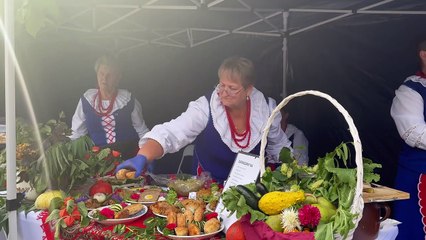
point(295, 198)
point(66, 213)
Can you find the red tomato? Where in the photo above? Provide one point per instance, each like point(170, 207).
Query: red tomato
point(96, 149)
point(235, 232)
point(100, 187)
point(116, 154)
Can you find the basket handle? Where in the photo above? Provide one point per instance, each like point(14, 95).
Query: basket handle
point(358, 202)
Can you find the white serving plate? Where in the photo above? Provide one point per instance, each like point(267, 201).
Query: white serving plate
point(117, 221)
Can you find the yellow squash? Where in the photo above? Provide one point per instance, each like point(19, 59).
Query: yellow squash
point(273, 203)
point(43, 200)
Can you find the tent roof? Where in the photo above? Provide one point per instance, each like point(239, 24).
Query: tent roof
point(123, 25)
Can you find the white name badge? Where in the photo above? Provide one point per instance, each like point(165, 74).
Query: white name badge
point(245, 170)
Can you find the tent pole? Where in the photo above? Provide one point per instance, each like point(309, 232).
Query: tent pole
point(285, 54)
point(9, 78)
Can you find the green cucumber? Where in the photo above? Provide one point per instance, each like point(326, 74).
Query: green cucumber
point(261, 188)
point(116, 207)
point(251, 198)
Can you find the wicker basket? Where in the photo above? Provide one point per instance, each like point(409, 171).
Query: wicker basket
point(358, 203)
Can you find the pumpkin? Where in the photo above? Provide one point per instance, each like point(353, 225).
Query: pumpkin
point(235, 232)
point(100, 187)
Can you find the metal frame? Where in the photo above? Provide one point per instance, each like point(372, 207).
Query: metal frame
point(123, 13)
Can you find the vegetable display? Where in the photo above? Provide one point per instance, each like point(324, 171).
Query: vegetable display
point(303, 198)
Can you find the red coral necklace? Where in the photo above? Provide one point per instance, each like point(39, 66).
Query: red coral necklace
point(240, 137)
point(100, 110)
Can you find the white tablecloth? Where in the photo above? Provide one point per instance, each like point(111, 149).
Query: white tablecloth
point(29, 228)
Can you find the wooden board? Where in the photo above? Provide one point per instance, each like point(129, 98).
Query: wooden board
point(383, 194)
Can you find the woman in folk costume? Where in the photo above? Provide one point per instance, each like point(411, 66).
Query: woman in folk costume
point(228, 120)
point(409, 113)
point(112, 117)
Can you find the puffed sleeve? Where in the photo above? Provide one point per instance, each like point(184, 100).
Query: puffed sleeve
point(407, 112)
point(138, 120)
point(277, 139)
point(182, 130)
point(78, 125)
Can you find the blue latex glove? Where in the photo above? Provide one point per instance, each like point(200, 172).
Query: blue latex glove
point(136, 163)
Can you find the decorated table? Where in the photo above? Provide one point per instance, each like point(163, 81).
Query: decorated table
point(30, 227)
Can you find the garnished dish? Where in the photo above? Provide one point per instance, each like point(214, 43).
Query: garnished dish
point(118, 213)
point(191, 220)
point(201, 236)
point(124, 182)
point(210, 195)
point(184, 186)
point(145, 195)
point(162, 208)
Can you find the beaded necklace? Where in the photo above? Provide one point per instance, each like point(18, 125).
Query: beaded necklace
point(240, 137)
point(100, 110)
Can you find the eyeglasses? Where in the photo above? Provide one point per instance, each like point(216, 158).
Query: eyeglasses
point(220, 88)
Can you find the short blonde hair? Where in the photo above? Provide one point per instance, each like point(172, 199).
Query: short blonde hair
point(239, 67)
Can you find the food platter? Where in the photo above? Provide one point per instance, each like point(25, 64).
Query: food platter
point(159, 215)
point(208, 208)
point(195, 237)
point(124, 182)
point(117, 221)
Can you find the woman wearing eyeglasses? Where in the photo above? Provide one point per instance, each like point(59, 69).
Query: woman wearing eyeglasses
point(221, 124)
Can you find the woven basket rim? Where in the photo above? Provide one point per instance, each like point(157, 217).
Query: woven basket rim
point(358, 203)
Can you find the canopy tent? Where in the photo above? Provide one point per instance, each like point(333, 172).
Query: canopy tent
point(358, 51)
point(126, 25)
point(346, 46)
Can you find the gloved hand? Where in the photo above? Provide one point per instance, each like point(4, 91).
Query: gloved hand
point(136, 163)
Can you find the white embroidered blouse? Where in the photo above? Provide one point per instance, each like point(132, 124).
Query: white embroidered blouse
point(183, 130)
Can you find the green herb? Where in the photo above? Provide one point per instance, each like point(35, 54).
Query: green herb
point(146, 233)
point(171, 196)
